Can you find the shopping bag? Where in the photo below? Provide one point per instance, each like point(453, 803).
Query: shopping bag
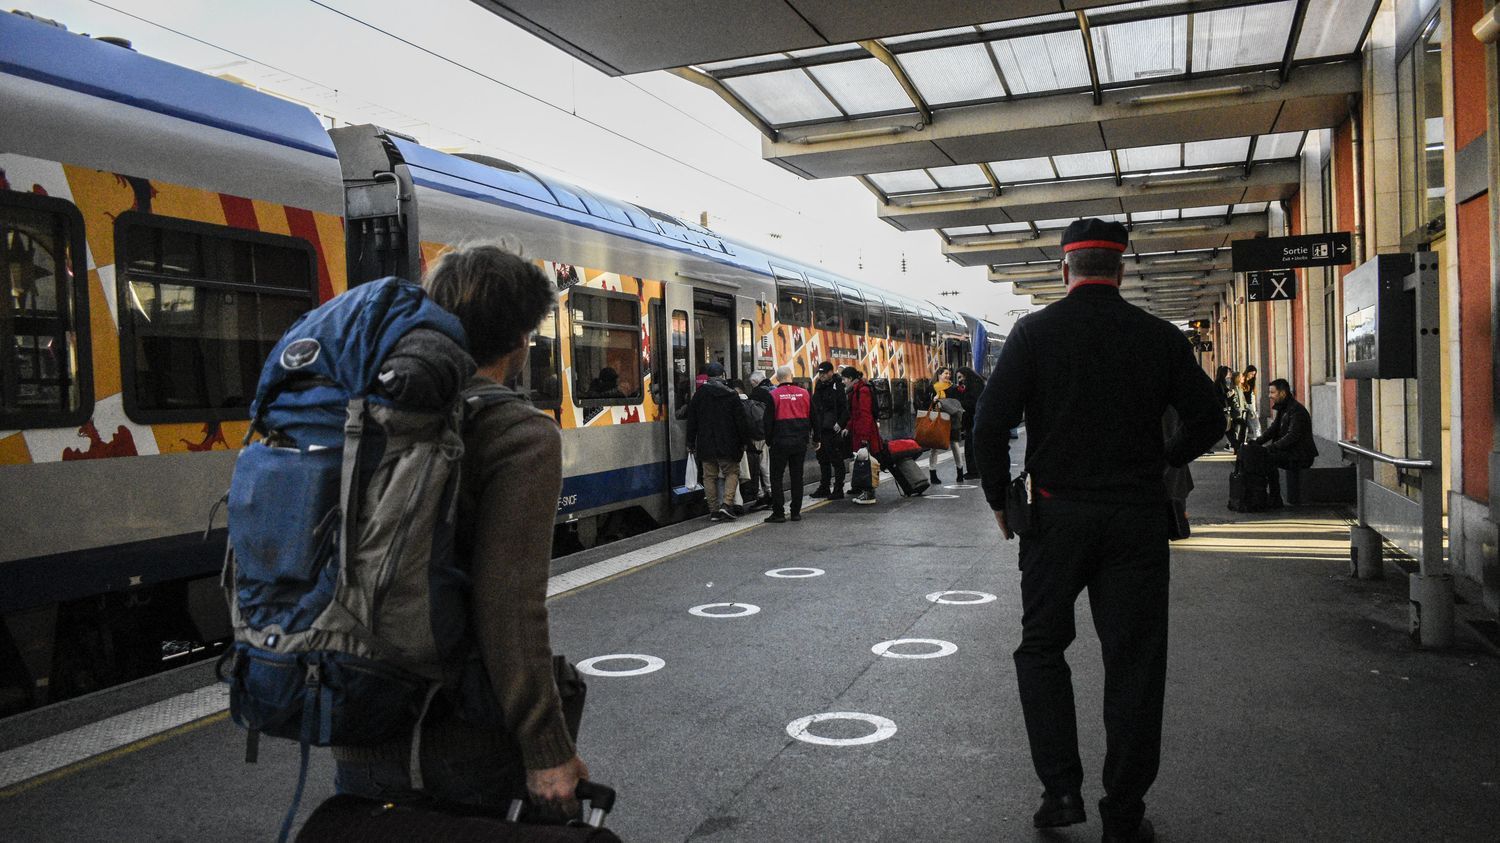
point(934, 429)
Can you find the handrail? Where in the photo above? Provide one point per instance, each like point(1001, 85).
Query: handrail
point(1399, 462)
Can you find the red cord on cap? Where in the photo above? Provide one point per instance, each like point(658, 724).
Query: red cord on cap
point(1094, 244)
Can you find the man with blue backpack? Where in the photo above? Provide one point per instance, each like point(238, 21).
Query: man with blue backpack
point(391, 541)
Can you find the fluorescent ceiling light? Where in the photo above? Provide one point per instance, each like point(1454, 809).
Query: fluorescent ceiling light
point(852, 134)
point(1200, 93)
point(1176, 229)
point(1176, 181)
point(1029, 269)
point(1178, 259)
point(1190, 276)
point(944, 200)
point(1020, 237)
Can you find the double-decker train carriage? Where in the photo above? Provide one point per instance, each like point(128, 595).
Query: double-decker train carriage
point(163, 228)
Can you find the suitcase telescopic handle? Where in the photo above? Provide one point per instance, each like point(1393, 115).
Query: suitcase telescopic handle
point(596, 799)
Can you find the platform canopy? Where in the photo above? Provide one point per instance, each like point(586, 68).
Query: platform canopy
point(996, 123)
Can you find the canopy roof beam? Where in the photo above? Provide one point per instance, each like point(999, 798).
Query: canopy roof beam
point(878, 50)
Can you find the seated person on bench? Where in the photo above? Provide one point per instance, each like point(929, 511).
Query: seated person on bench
point(1287, 443)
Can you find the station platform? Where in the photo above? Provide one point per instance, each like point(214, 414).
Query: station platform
point(1297, 707)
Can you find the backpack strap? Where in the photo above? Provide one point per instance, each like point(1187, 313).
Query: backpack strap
point(477, 399)
point(354, 429)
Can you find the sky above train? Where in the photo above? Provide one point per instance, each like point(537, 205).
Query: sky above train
point(461, 79)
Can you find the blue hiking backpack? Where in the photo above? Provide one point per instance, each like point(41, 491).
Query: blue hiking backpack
point(349, 608)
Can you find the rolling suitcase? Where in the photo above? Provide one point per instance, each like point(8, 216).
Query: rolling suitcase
point(354, 819)
point(910, 479)
point(1247, 492)
point(900, 449)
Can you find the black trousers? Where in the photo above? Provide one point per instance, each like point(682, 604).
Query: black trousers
point(785, 458)
point(1119, 553)
point(1259, 461)
point(830, 460)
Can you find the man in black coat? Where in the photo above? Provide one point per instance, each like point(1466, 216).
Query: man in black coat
point(1100, 518)
point(717, 431)
point(830, 417)
point(1287, 443)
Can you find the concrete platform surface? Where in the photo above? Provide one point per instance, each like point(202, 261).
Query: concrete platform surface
point(1297, 708)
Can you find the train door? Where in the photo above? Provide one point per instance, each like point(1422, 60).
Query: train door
point(675, 349)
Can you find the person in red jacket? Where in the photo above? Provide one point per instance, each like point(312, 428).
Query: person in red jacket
point(864, 429)
point(788, 430)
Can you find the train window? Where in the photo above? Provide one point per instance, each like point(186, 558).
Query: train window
point(44, 323)
point(792, 305)
point(658, 354)
point(854, 310)
point(682, 380)
point(202, 305)
point(542, 378)
point(747, 350)
point(825, 306)
point(900, 325)
point(606, 348)
point(876, 321)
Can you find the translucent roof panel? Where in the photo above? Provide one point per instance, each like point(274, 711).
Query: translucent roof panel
point(862, 87)
point(1164, 157)
point(1084, 164)
point(966, 230)
point(1022, 169)
point(1251, 208)
point(963, 175)
point(953, 74)
point(823, 51)
point(1209, 211)
point(785, 96)
point(1333, 28)
point(1042, 62)
point(904, 181)
point(1279, 145)
point(1144, 49)
point(1152, 216)
point(1054, 224)
point(1243, 36)
point(1208, 153)
point(1008, 227)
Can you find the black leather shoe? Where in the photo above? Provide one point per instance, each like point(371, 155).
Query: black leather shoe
point(1144, 833)
point(775, 518)
point(1060, 810)
point(820, 492)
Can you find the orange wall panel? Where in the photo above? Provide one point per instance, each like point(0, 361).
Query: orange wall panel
point(1469, 94)
point(1475, 365)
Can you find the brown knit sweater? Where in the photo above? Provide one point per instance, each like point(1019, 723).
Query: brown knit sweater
point(512, 474)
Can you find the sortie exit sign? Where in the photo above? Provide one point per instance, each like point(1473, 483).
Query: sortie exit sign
point(1330, 249)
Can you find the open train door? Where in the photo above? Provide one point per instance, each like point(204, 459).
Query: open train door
point(674, 345)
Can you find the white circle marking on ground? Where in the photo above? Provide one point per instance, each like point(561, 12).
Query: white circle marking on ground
point(961, 486)
point(651, 665)
point(798, 728)
point(795, 573)
point(741, 610)
point(941, 497)
point(945, 597)
point(885, 648)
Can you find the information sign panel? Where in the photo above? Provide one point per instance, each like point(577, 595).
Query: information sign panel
point(1271, 285)
point(1331, 249)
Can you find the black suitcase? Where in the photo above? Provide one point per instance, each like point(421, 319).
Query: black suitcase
point(1247, 492)
point(354, 819)
point(909, 477)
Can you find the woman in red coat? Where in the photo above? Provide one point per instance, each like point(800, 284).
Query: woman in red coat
point(864, 429)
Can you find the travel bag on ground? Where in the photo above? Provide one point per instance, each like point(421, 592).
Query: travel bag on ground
point(864, 476)
point(1247, 492)
point(900, 449)
point(910, 479)
point(354, 819)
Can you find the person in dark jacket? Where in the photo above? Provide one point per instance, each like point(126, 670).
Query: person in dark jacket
point(717, 431)
point(1100, 517)
point(1287, 443)
point(864, 426)
point(970, 387)
point(788, 429)
point(760, 391)
point(830, 417)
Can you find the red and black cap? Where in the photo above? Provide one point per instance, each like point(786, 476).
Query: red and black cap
point(1095, 234)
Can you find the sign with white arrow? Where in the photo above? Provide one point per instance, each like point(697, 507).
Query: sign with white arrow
point(1271, 285)
point(1331, 249)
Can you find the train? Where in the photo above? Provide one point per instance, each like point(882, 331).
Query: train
point(163, 227)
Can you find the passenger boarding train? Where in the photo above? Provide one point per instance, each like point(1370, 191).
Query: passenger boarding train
point(162, 228)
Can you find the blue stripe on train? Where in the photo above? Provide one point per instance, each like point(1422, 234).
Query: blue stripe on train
point(60, 577)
